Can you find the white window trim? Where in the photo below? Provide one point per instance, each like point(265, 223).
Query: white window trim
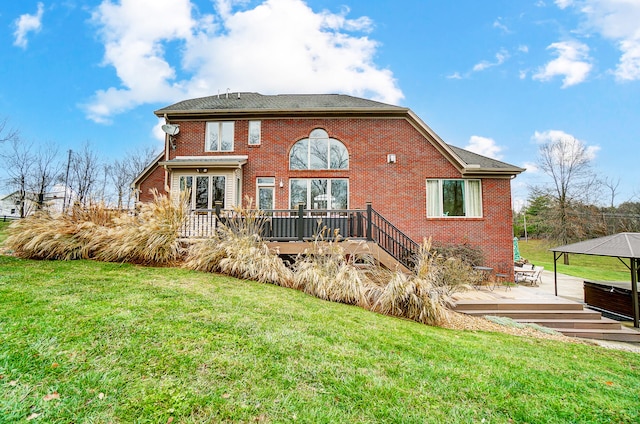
point(467, 205)
point(260, 185)
point(210, 201)
point(309, 200)
point(310, 139)
point(220, 124)
point(259, 123)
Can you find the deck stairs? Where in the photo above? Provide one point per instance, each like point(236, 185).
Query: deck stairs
point(565, 316)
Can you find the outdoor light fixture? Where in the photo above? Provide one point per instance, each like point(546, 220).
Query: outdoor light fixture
point(391, 158)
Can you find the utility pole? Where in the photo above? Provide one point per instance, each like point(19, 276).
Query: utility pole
point(66, 185)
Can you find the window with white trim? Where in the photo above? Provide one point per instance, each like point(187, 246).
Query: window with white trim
point(454, 198)
point(254, 133)
point(318, 152)
point(219, 137)
point(319, 193)
point(266, 190)
point(203, 190)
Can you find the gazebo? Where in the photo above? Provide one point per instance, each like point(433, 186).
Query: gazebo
point(621, 246)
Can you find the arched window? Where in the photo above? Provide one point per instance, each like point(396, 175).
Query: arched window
point(318, 152)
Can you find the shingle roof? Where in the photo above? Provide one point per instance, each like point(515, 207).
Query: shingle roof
point(256, 104)
point(471, 158)
point(621, 245)
point(256, 101)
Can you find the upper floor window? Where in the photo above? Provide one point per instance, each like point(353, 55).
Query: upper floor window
point(318, 152)
point(219, 136)
point(454, 198)
point(254, 133)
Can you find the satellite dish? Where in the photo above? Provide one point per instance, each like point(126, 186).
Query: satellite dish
point(171, 129)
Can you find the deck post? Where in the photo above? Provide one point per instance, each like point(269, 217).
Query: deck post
point(218, 210)
point(369, 225)
point(300, 221)
point(634, 291)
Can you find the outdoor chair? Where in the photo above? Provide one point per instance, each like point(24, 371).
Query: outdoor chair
point(534, 278)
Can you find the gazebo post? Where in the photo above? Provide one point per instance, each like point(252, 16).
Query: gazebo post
point(555, 271)
point(634, 291)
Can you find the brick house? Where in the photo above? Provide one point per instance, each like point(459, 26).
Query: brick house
point(334, 152)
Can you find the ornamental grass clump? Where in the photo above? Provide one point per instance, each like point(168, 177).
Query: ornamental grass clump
point(96, 232)
point(424, 296)
point(152, 236)
point(326, 272)
point(237, 249)
point(73, 235)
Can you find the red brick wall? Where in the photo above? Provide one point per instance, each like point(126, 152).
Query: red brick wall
point(397, 191)
point(154, 180)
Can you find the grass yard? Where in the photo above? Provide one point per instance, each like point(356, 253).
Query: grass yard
point(95, 342)
point(584, 266)
point(3, 225)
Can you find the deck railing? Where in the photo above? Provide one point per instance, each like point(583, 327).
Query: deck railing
point(308, 224)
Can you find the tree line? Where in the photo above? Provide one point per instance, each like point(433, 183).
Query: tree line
point(32, 170)
point(575, 203)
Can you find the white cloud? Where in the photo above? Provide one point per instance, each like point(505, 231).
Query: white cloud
point(157, 131)
point(563, 4)
point(499, 25)
point(501, 56)
point(484, 146)
point(531, 167)
point(616, 20)
point(573, 63)
point(25, 24)
point(455, 75)
point(279, 46)
point(523, 48)
point(567, 139)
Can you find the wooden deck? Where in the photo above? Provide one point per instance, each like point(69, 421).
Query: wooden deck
point(351, 247)
point(531, 305)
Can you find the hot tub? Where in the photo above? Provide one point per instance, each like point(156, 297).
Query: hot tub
point(610, 296)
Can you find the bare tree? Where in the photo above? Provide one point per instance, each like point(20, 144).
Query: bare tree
point(138, 160)
point(612, 186)
point(7, 134)
point(123, 171)
point(46, 171)
point(84, 174)
point(573, 183)
point(120, 178)
point(18, 161)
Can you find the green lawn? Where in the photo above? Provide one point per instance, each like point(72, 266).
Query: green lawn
point(584, 266)
point(3, 226)
point(91, 342)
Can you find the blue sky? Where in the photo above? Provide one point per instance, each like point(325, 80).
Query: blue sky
point(496, 77)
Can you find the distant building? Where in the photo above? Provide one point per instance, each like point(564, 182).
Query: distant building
point(53, 201)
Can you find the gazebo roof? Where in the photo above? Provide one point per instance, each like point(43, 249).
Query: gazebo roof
point(621, 245)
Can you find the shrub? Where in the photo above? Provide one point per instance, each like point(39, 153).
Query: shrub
point(325, 271)
point(237, 249)
point(149, 237)
point(468, 254)
point(424, 296)
point(63, 236)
